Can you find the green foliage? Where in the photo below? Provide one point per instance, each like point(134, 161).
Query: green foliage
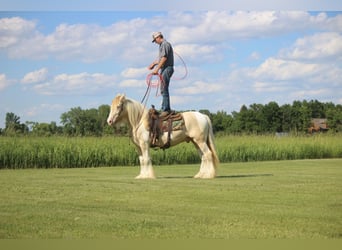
point(13, 125)
point(255, 119)
point(271, 118)
point(45, 129)
point(87, 122)
point(71, 152)
point(259, 200)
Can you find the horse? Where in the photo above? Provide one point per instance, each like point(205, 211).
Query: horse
point(197, 129)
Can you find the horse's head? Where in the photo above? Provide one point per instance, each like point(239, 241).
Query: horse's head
point(116, 109)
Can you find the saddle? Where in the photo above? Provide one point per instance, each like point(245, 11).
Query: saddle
point(159, 124)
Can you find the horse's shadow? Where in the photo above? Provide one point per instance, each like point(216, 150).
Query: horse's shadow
point(243, 175)
point(218, 177)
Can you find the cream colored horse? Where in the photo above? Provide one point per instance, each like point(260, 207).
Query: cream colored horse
point(197, 129)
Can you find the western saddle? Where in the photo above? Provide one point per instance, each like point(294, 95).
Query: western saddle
point(159, 124)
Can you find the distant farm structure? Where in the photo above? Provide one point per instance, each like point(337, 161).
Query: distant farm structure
point(318, 125)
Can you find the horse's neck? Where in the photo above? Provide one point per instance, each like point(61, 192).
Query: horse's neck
point(136, 114)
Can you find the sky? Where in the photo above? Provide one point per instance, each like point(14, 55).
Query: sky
point(57, 57)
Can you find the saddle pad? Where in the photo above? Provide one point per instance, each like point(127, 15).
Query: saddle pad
point(176, 125)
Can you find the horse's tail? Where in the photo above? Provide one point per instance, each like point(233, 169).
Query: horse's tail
point(211, 144)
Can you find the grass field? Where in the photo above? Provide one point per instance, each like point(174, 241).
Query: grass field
point(254, 200)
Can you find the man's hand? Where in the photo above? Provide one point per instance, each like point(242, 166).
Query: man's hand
point(152, 65)
point(155, 71)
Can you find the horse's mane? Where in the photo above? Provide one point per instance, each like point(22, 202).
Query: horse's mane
point(137, 113)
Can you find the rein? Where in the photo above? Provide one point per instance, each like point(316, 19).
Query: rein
point(152, 84)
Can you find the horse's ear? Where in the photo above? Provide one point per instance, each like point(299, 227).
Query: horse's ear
point(122, 97)
point(119, 96)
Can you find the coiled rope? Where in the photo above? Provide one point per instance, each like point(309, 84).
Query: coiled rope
point(156, 80)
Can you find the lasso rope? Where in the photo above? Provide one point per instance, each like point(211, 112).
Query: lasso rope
point(152, 84)
point(156, 80)
point(184, 66)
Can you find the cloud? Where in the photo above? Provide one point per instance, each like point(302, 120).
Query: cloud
point(76, 84)
point(220, 26)
point(35, 76)
point(284, 70)
point(43, 108)
point(80, 42)
point(199, 87)
point(319, 46)
point(307, 69)
point(13, 30)
point(190, 101)
point(199, 53)
point(199, 36)
point(271, 86)
point(287, 76)
point(130, 83)
point(4, 82)
point(134, 72)
point(254, 56)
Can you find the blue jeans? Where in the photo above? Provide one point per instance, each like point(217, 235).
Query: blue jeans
point(166, 76)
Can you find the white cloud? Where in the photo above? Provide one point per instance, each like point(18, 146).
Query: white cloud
point(254, 56)
point(199, 87)
point(282, 70)
point(271, 86)
point(189, 101)
point(4, 82)
point(284, 77)
point(35, 76)
point(76, 84)
point(43, 108)
point(12, 30)
point(129, 83)
point(199, 53)
point(307, 69)
point(199, 36)
point(84, 42)
point(134, 72)
point(220, 26)
point(319, 46)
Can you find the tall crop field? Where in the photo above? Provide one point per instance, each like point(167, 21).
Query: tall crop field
point(264, 148)
point(74, 152)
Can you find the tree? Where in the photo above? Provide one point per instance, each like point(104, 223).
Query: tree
point(271, 118)
point(13, 125)
point(221, 121)
point(285, 115)
point(85, 122)
point(317, 109)
point(45, 129)
point(334, 117)
point(305, 116)
point(256, 119)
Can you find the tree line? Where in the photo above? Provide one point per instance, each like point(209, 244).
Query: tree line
point(254, 119)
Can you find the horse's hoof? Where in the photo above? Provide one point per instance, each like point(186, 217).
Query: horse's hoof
point(139, 177)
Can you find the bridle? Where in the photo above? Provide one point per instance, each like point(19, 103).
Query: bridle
point(118, 112)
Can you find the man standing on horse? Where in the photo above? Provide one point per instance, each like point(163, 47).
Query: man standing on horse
point(165, 65)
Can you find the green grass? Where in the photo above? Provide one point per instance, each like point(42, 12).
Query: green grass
point(263, 200)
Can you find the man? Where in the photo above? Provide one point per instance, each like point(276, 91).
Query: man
point(165, 65)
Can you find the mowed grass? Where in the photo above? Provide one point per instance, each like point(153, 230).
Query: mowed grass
point(264, 200)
